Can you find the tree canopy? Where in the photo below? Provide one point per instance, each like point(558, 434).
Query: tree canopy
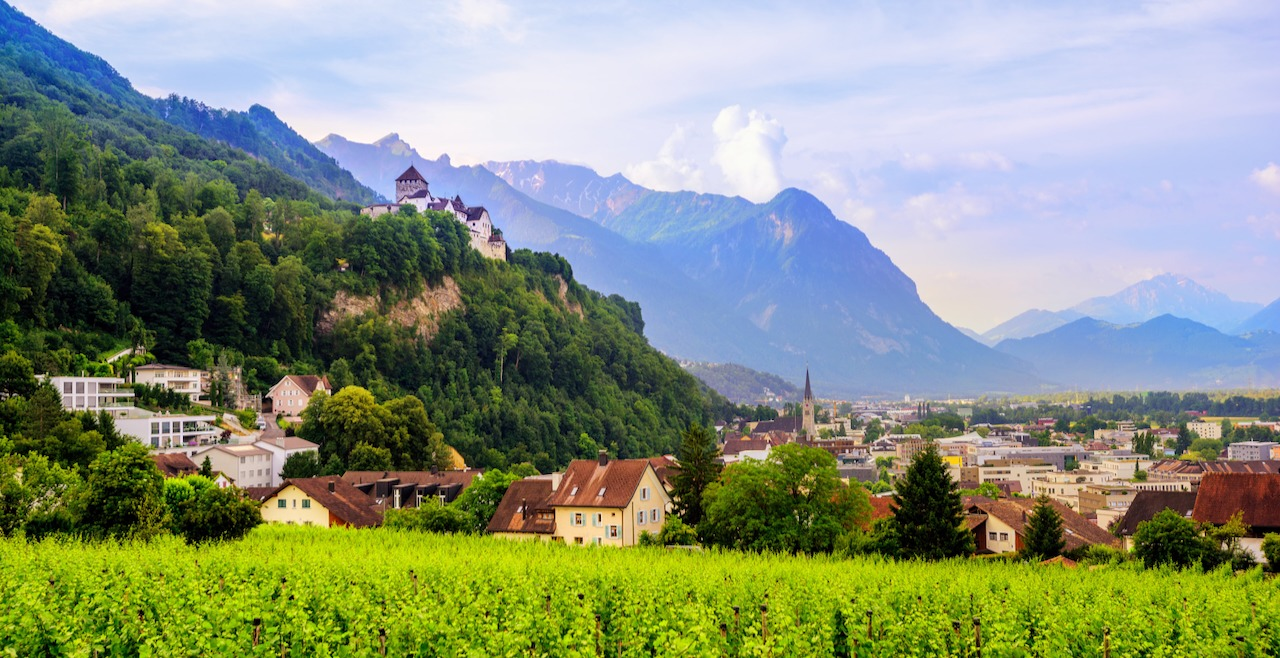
point(928, 514)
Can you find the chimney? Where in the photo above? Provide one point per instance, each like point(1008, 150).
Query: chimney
point(332, 485)
point(524, 508)
point(604, 457)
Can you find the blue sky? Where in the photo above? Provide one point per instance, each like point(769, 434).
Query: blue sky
point(1005, 155)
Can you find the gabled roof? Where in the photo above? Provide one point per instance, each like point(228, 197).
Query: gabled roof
point(741, 445)
point(174, 464)
point(347, 503)
point(414, 477)
point(475, 212)
point(520, 507)
point(788, 424)
point(308, 383)
point(586, 483)
point(1014, 512)
point(665, 467)
point(236, 450)
point(410, 174)
point(274, 441)
point(1147, 504)
point(1223, 494)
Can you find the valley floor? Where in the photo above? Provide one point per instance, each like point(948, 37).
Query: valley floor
point(303, 592)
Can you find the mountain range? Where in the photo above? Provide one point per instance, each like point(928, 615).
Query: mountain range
point(1166, 294)
point(770, 286)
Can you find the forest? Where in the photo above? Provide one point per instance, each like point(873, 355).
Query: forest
point(120, 229)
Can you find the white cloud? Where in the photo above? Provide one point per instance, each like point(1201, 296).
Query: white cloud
point(935, 213)
point(1268, 178)
point(672, 170)
point(486, 15)
point(749, 152)
point(972, 161)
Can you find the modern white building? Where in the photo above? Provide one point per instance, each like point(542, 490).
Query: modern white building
point(93, 394)
point(1250, 450)
point(249, 465)
point(192, 382)
point(1205, 430)
point(163, 430)
point(282, 448)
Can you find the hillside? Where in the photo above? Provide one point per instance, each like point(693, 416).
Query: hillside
point(1268, 319)
point(1165, 353)
point(34, 59)
point(1028, 324)
point(741, 384)
point(193, 248)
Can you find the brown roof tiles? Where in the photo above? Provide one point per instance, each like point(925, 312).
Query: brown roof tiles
point(347, 503)
point(174, 464)
point(525, 508)
point(1014, 512)
point(1147, 504)
point(1221, 495)
point(586, 483)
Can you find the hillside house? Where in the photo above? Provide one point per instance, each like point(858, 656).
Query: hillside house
point(93, 394)
point(413, 190)
point(525, 511)
point(328, 502)
point(999, 526)
point(290, 396)
point(404, 489)
point(248, 465)
point(1146, 505)
point(191, 382)
point(174, 464)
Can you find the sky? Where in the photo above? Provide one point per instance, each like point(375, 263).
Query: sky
point(1005, 155)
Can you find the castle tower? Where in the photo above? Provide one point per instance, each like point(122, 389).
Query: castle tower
point(807, 423)
point(409, 183)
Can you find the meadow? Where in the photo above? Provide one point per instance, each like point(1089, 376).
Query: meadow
point(287, 591)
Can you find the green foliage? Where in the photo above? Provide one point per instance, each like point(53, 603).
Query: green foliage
point(213, 514)
point(928, 514)
point(124, 498)
point(1043, 535)
point(1144, 443)
point(792, 502)
point(985, 489)
point(676, 533)
point(430, 517)
point(1271, 550)
point(696, 469)
point(303, 465)
point(480, 500)
point(1170, 539)
point(530, 598)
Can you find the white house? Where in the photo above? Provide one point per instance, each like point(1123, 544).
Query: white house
point(282, 448)
point(191, 382)
point(247, 465)
point(93, 394)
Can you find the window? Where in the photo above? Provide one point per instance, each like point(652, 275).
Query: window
point(578, 519)
point(653, 515)
point(282, 503)
point(644, 493)
point(991, 536)
point(597, 520)
point(596, 541)
point(601, 492)
point(306, 504)
point(640, 517)
point(1004, 536)
point(577, 540)
point(613, 532)
point(573, 491)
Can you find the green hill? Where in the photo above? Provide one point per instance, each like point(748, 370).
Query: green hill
point(117, 227)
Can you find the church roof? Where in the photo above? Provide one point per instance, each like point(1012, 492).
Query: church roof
point(411, 174)
point(808, 392)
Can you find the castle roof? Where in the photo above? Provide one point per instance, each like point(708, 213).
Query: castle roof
point(411, 174)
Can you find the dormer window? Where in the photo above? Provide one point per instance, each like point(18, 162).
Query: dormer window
point(573, 491)
point(601, 492)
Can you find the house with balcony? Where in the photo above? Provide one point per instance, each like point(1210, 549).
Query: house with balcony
point(95, 394)
point(191, 382)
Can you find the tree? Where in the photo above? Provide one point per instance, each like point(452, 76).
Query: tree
point(792, 502)
point(1043, 538)
point(429, 517)
point(928, 513)
point(1185, 438)
point(365, 457)
point(124, 494)
point(1271, 550)
point(1170, 539)
point(206, 466)
point(17, 376)
point(480, 500)
point(301, 465)
point(696, 468)
point(214, 514)
point(676, 533)
point(1144, 443)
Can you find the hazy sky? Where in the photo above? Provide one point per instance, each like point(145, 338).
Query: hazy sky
point(1005, 155)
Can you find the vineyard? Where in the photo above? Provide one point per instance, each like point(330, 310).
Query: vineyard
point(311, 592)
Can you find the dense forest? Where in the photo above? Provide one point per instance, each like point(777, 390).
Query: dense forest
point(120, 229)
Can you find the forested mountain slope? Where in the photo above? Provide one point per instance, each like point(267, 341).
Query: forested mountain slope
point(116, 228)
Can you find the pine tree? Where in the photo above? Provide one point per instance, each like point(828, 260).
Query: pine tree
point(928, 512)
point(1043, 536)
point(206, 467)
point(697, 468)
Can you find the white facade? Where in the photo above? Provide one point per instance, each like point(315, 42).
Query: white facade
point(1205, 430)
point(248, 465)
point(93, 394)
point(1250, 450)
point(191, 382)
point(281, 448)
point(167, 430)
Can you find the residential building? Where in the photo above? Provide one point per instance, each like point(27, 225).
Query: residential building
point(1147, 504)
point(525, 511)
point(1056, 455)
point(1065, 487)
point(282, 447)
point(1109, 496)
point(1250, 450)
point(191, 382)
point(167, 430)
point(1255, 496)
point(174, 464)
point(401, 489)
point(999, 526)
point(1022, 471)
point(327, 501)
point(737, 450)
point(1121, 465)
point(602, 502)
point(290, 396)
point(247, 464)
point(93, 394)
point(1206, 430)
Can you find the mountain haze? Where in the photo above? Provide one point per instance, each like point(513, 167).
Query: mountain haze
point(1268, 319)
point(1029, 323)
point(1169, 294)
point(813, 283)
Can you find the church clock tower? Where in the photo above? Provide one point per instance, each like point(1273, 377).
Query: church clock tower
point(808, 425)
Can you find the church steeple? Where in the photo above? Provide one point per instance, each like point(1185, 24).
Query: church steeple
point(807, 422)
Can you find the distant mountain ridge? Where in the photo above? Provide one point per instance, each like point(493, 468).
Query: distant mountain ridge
point(1164, 353)
point(1268, 319)
point(739, 383)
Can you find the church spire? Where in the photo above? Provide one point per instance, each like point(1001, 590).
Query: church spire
point(808, 391)
point(807, 420)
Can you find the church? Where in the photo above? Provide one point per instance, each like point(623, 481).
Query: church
point(412, 190)
point(787, 429)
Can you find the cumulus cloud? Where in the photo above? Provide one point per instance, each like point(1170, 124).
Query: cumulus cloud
point(749, 152)
point(672, 170)
point(1268, 178)
point(972, 161)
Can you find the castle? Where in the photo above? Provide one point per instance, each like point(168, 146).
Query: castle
point(412, 190)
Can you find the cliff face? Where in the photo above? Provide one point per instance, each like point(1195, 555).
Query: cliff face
point(421, 313)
